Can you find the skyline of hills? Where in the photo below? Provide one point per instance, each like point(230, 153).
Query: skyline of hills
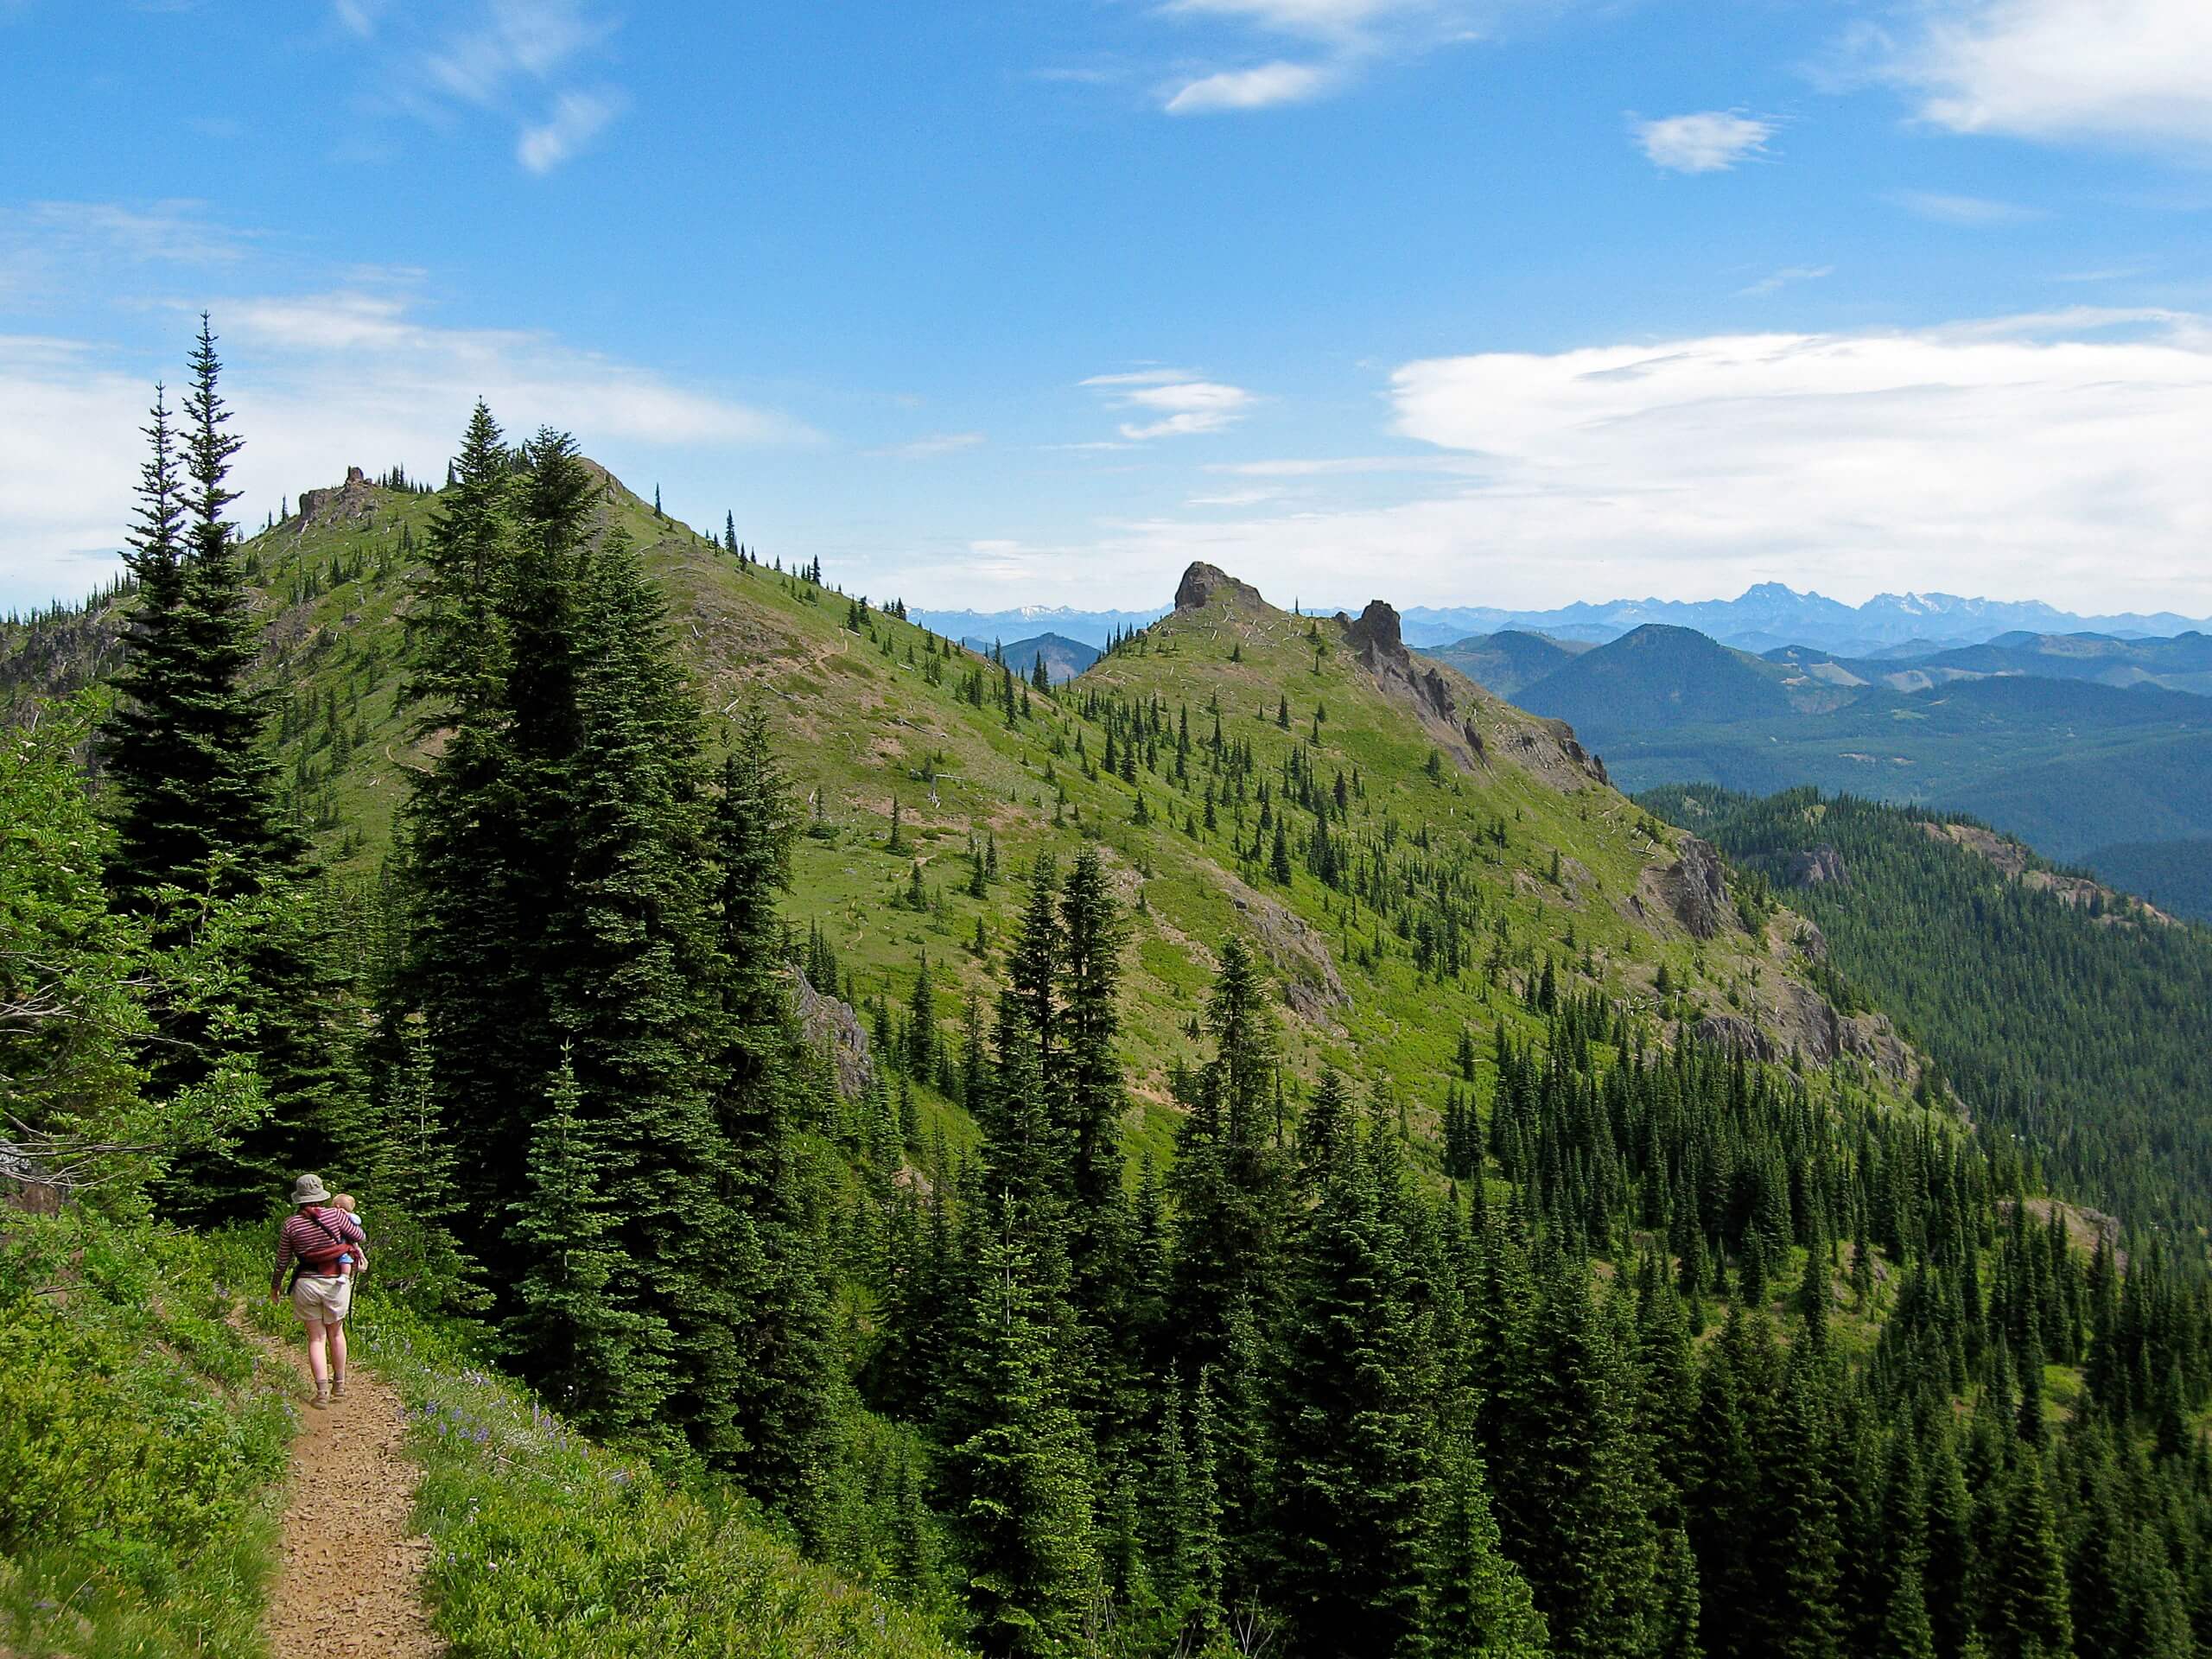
point(1766, 616)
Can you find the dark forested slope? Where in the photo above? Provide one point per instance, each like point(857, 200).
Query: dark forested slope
point(2060, 1010)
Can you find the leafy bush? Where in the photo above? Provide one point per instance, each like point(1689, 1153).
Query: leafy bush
point(142, 1444)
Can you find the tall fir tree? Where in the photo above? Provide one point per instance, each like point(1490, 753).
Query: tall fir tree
point(1016, 1478)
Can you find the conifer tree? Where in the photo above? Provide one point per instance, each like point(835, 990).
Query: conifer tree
point(471, 958)
point(198, 810)
point(1476, 1601)
point(1230, 1184)
point(1354, 1431)
point(1016, 1479)
point(630, 966)
point(601, 1360)
point(785, 1384)
point(1568, 1472)
point(145, 746)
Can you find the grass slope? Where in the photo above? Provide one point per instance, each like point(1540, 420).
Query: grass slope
point(143, 1441)
point(864, 723)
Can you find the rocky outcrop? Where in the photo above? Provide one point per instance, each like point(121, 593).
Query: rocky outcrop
point(1695, 889)
point(1377, 638)
point(355, 499)
point(834, 1026)
point(1202, 581)
point(1300, 955)
point(2107, 905)
point(1817, 868)
point(1734, 1032)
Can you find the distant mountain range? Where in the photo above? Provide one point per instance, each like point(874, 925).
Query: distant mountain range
point(1027, 622)
point(1763, 618)
point(2087, 746)
point(1772, 614)
point(1065, 658)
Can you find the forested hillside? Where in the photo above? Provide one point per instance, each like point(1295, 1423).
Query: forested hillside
point(1259, 1149)
point(2064, 1012)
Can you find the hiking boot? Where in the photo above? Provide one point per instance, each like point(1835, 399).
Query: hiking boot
point(322, 1395)
point(338, 1388)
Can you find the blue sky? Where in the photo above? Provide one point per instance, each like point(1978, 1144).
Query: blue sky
point(1034, 301)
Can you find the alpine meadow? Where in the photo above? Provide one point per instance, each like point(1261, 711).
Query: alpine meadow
point(856, 846)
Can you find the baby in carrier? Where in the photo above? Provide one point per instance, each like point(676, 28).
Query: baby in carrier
point(351, 1264)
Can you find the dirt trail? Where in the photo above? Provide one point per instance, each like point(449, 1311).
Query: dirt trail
point(351, 1580)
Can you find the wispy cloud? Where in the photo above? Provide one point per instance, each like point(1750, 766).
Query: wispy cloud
point(1184, 405)
point(1248, 89)
point(51, 249)
point(541, 65)
point(1333, 43)
point(932, 447)
point(1974, 212)
point(511, 41)
point(180, 232)
point(576, 120)
point(2132, 71)
point(1711, 140)
point(1774, 282)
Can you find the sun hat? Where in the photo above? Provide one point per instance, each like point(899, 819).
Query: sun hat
point(309, 1189)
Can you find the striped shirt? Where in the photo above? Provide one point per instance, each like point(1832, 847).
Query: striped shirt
point(300, 1237)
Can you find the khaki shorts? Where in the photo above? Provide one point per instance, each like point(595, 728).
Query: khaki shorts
point(322, 1300)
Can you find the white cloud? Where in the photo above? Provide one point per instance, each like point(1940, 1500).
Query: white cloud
point(1341, 39)
point(511, 41)
point(1184, 405)
point(933, 446)
point(318, 383)
point(1315, 19)
point(1774, 282)
point(1974, 212)
point(1248, 89)
point(576, 120)
point(1142, 378)
point(2051, 457)
point(541, 65)
point(2129, 71)
point(1711, 140)
point(358, 16)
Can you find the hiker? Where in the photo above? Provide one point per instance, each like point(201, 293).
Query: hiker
point(322, 1246)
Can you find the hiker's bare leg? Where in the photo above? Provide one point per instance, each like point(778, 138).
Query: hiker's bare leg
point(318, 1363)
point(337, 1329)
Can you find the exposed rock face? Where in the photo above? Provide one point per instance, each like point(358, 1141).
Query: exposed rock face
point(1733, 1032)
point(355, 499)
point(1202, 581)
point(1695, 889)
point(833, 1025)
point(1376, 633)
point(1811, 869)
point(1806, 1023)
point(1310, 984)
point(2011, 857)
point(1380, 644)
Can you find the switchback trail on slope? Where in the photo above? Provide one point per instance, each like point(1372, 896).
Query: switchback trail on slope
point(350, 1581)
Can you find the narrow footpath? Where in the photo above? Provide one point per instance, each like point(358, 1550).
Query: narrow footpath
point(350, 1582)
